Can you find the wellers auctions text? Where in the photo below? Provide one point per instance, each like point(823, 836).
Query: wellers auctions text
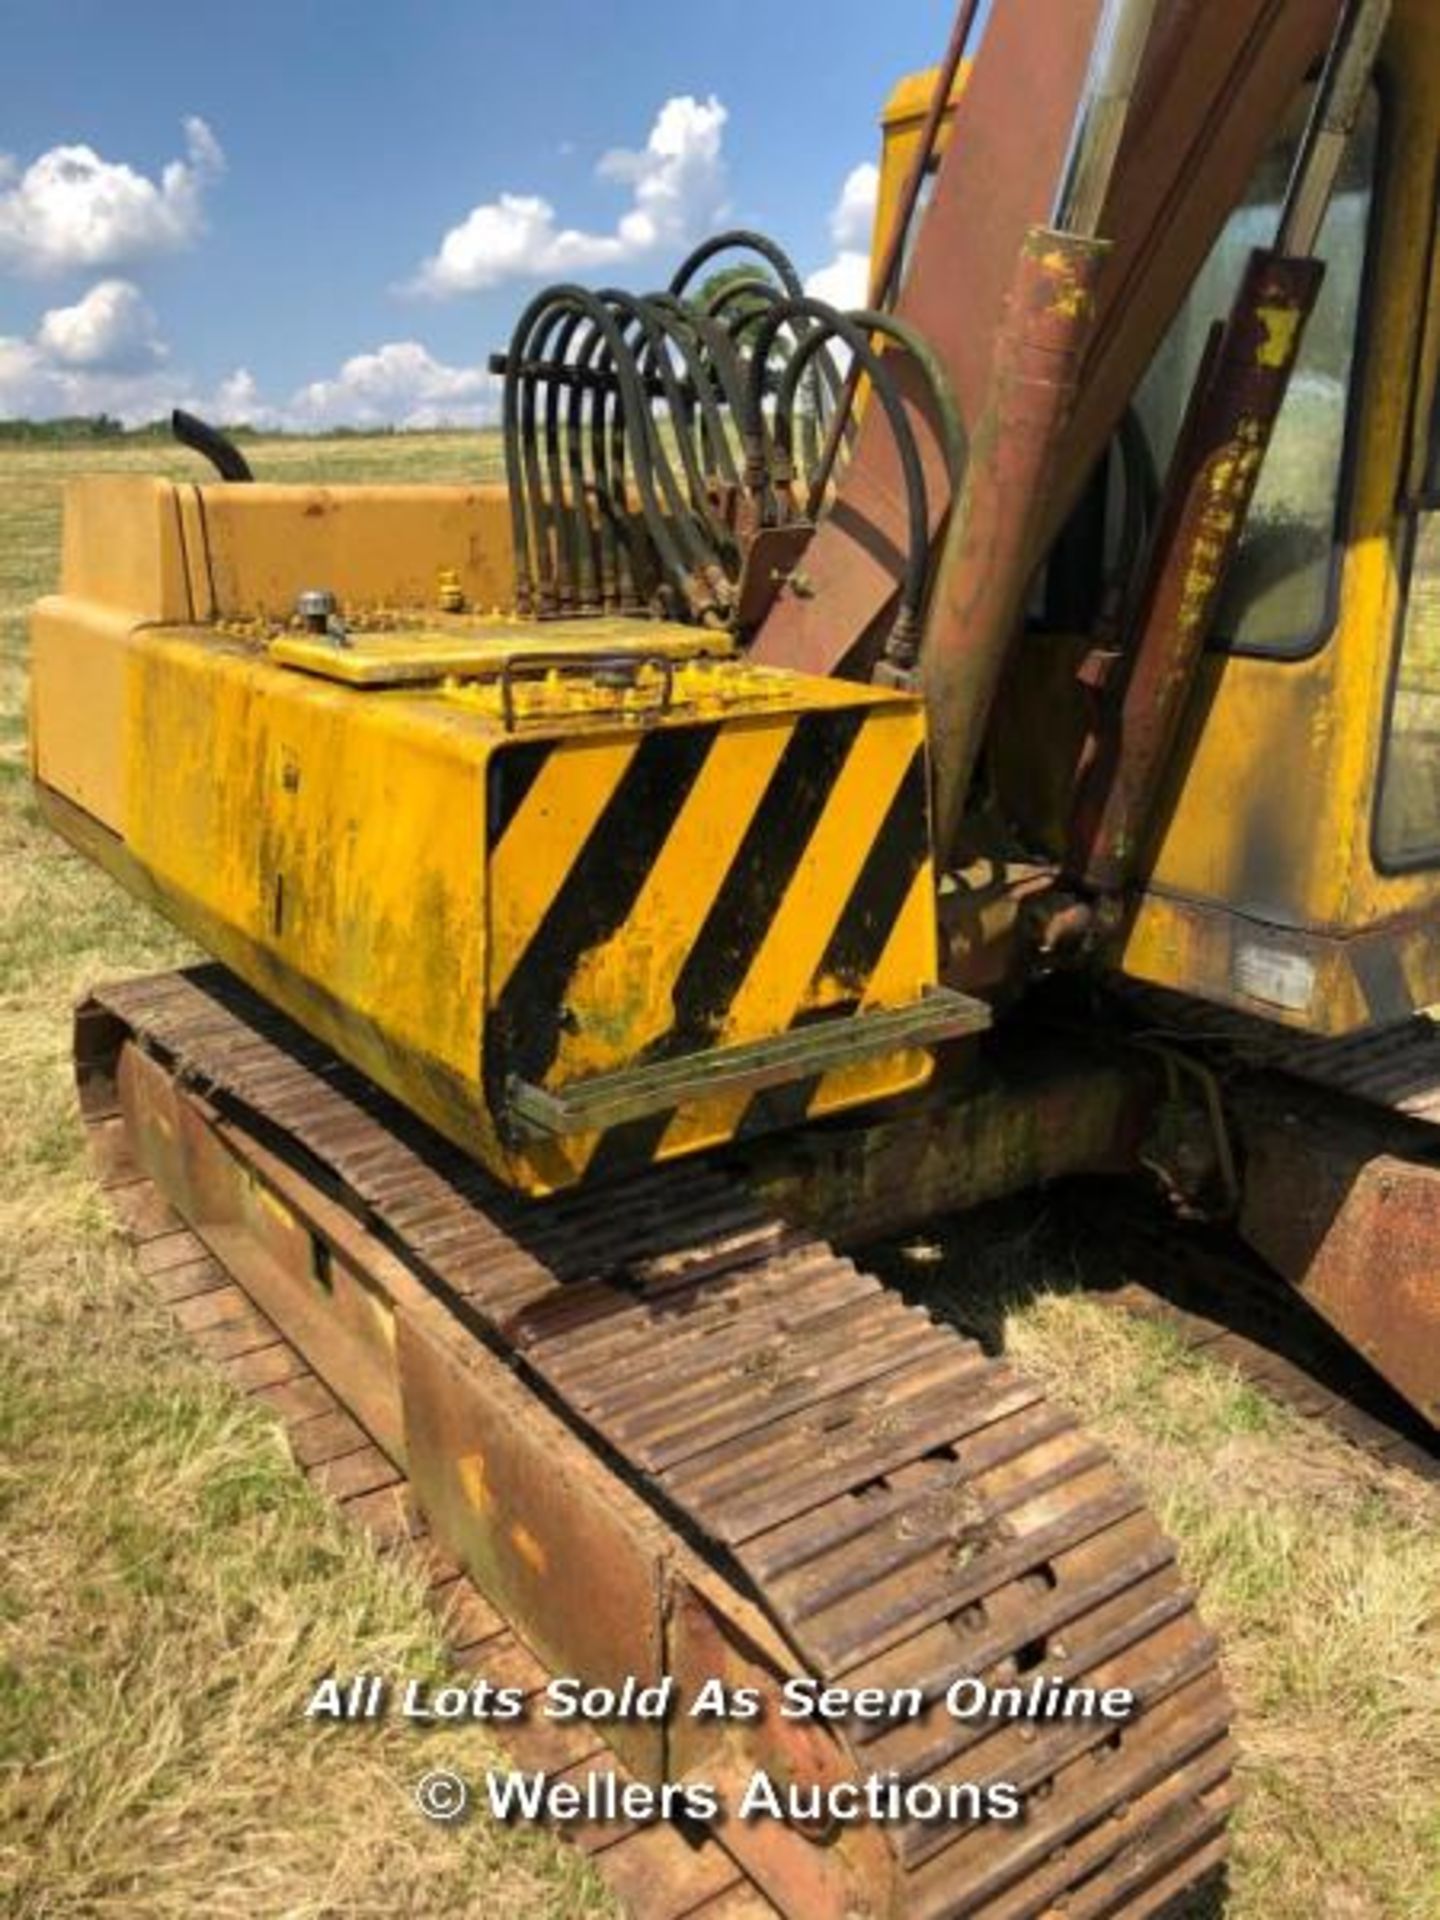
point(881, 1798)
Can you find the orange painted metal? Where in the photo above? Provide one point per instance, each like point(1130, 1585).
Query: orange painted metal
point(885, 271)
point(980, 583)
point(996, 182)
point(1215, 83)
point(1329, 1197)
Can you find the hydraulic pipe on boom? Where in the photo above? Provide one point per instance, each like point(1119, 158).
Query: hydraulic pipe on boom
point(1211, 487)
point(983, 567)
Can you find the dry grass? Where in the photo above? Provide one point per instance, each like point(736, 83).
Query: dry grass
point(169, 1588)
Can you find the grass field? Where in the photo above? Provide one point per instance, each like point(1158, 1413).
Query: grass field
point(170, 1588)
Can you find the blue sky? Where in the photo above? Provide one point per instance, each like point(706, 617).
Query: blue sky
point(309, 210)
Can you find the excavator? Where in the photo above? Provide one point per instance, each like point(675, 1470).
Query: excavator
point(857, 766)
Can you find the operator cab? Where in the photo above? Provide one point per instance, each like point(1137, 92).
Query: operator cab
point(1295, 868)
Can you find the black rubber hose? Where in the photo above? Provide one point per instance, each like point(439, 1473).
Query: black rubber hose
point(711, 369)
point(651, 465)
point(640, 439)
point(738, 239)
point(544, 513)
point(1141, 498)
point(594, 532)
point(724, 382)
point(515, 455)
point(744, 240)
point(570, 583)
point(947, 413)
point(653, 362)
point(222, 453)
point(698, 404)
point(579, 416)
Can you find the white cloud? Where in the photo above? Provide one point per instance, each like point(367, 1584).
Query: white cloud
point(109, 328)
point(853, 215)
point(844, 279)
point(20, 365)
point(36, 386)
point(678, 177)
point(677, 188)
point(103, 355)
point(70, 209)
point(399, 384)
point(238, 400)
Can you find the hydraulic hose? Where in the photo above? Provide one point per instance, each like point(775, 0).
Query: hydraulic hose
point(649, 438)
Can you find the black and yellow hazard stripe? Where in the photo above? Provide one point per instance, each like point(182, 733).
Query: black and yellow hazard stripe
point(700, 886)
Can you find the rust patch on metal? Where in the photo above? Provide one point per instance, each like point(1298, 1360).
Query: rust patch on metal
point(984, 566)
point(1216, 82)
point(1352, 1221)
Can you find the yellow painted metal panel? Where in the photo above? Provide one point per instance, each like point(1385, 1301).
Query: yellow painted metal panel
point(373, 546)
point(77, 692)
point(783, 981)
point(541, 845)
point(787, 977)
point(1266, 828)
point(894, 981)
point(195, 556)
point(339, 840)
point(334, 847)
point(121, 545)
point(458, 891)
point(899, 969)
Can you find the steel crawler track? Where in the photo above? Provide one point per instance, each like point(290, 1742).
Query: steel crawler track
point(656, 1871)
point(900, 1510)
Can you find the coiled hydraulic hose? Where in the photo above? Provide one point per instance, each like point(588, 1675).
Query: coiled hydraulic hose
point(649, 438)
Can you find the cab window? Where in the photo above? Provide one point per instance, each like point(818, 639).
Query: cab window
point(1280, 596)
